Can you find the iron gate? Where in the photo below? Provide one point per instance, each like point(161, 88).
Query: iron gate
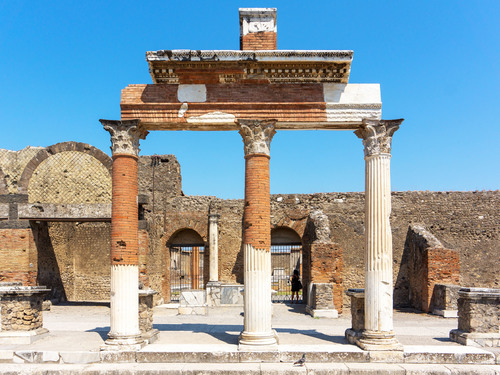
point(284, 260)
point(186, 269)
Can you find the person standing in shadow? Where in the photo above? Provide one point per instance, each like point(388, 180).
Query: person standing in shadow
point(296, 285)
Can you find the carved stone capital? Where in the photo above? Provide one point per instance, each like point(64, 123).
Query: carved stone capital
point(257, 136)
point(213, 218)
point(377, 135)
point(125, 135)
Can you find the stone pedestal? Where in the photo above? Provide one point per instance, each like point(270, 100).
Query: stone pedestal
point(320, 303)
point(445, 300)
point(378, 333)
point(478, 317)
point(257, 333)
point(124, 328)
point(21, 313)
point(357, 315)
point(148, 333)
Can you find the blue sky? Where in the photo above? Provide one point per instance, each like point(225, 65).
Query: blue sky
point(63, 64)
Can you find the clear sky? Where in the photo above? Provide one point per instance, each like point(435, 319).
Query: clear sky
point(63, 64)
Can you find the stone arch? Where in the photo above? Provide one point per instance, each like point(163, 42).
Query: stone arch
point(285, 235)
point(3, 183)
point(286, 257)
point(88, 168)
point(186, 236)
point(185, 263)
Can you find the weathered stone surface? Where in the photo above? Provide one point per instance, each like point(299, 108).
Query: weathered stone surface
point(65, 212)
point(479, 310)
point(445, 300)
point(21, 310)
point(4, 211)
point(13, 163)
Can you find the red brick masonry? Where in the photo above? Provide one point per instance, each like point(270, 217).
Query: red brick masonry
point(257, 212)
point(124, 221)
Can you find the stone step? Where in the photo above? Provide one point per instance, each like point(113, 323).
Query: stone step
point(156, 353)
point(248, 368)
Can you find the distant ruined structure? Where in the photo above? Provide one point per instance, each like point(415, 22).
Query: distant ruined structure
point(69, 211)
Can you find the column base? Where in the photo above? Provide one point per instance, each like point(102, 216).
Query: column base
point(375, 340)
point(123, 343)
point(258, 340)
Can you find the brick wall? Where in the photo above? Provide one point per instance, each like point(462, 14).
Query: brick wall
point(263, 40)
point(18, 261)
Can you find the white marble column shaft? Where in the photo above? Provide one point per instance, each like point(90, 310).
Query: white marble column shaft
point(257, 305)
point(378, 334)
point(213, 241)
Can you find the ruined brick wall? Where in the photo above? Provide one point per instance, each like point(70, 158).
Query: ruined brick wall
point(429, 263)
point(159, 180)
point(13, 163)
point(467, 222)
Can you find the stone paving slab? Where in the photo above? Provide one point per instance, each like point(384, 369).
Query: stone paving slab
point(78, 331)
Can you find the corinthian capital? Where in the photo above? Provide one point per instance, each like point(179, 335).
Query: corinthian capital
point(377, 135)
point(125, 135)
point(257, 135)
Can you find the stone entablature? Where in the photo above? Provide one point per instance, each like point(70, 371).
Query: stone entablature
point(283, 66)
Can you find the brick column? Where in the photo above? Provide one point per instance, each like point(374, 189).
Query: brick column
point(378, 333)
point(124, 333)
point(257, 332)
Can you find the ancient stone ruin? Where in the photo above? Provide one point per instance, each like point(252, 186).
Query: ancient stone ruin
point(91, 227)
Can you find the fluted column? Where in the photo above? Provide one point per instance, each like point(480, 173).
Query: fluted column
point(213, 241)
point(124, 333)
point(378, 333)
point(257, 332)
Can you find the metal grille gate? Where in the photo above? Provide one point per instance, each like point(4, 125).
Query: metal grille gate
point(186, 269)
point(284, 260)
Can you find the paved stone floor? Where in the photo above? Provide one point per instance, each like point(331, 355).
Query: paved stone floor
point(78, 330)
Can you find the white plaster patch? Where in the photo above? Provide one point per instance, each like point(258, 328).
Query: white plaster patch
point(183, 109)
point(213, 118)
point(192, 93)
point(353, 93)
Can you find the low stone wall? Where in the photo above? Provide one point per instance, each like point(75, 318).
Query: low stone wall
point(445, 300)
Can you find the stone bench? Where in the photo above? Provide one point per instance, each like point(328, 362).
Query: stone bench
point(478, 317)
